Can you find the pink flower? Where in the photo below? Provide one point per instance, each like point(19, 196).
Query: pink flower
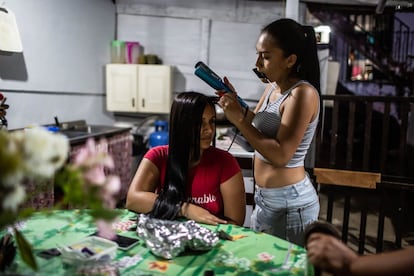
point(266, 257)
point(113, 184)
point(95, 175)
point(110, 190)
point(92, 160)
point(105, 229)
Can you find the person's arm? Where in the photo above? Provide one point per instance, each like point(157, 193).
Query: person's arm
point(141, 194)
point(399, 262)
point(263, 97)
point(250, 113)
point(234, 199)
point(231, 189)
point(299, 110)
point(199, 214)
point(329, 253)
point(332, 255)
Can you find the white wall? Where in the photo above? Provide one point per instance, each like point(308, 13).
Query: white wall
point(222, 34)
point(66, 44)
point(60, 72)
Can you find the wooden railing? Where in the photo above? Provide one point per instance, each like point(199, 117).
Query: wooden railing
point(365, 133)
point(362, 153)
point(362, 164)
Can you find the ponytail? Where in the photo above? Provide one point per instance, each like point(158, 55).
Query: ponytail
point(294, 38)
point(309, 68)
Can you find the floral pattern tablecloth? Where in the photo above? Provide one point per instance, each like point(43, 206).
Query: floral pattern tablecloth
point(249, 253)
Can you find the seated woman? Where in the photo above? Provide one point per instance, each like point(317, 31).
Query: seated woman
point(189, 177)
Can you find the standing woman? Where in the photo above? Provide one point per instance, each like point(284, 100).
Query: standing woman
point(281, 129)
point(189, 177)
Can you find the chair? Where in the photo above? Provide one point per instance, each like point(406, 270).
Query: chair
point(348, 184)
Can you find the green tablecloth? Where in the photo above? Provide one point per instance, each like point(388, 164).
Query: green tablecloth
point(250, 253)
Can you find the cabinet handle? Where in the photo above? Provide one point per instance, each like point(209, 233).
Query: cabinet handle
point(133, 102)
point(143, 102)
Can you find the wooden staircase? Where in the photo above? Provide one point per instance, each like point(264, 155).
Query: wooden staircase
point(382, 38)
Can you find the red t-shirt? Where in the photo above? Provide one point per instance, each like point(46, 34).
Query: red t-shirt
point(216, 166)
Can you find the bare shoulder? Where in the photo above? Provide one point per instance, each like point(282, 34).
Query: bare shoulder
point(306, 91)
point(305, 98)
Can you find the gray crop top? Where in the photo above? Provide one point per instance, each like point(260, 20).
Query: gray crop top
point(267, 121)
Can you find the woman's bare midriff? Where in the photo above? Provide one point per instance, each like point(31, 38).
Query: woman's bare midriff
point(267, 176)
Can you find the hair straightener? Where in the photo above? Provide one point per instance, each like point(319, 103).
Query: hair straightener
point(212, 79)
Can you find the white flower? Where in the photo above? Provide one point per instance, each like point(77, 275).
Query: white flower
point(10, 150)
point(11, 180)
point(28, 154)
point(14, 198)
point(37, 153)
point(44, 152)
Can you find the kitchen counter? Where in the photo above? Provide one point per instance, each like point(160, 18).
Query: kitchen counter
point(236, 150)
point(119, 146)
point(79, 136)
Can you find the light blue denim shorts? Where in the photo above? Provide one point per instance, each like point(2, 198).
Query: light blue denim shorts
point(286, 211)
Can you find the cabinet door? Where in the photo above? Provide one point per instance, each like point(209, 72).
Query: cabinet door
point(121, 87)
point(155, 88)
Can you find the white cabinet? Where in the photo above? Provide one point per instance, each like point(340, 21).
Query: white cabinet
point(138, 88)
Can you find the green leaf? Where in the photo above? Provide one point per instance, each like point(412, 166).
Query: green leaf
point(104, 214)
point(7, 218)
point(25, 250)
point(26, 213)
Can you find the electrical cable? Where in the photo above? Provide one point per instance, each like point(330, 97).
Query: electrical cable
point(234, 138)
point(237, 130)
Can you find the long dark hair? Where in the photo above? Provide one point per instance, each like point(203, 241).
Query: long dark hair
point(293, 38)
point(184, 147)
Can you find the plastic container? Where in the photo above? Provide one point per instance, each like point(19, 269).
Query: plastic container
point(132, 52)
point(160, 135)
point(89, 250)
point(117, 51)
